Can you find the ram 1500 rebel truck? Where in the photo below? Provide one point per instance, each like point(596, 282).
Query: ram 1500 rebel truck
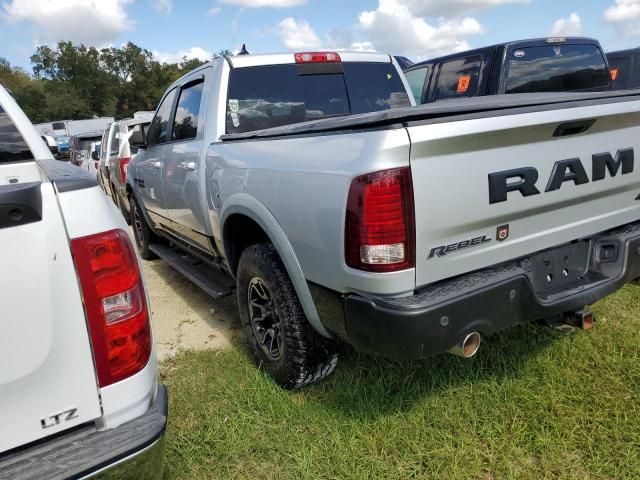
point(79, 396)
point(404, 232)
point(526, 66)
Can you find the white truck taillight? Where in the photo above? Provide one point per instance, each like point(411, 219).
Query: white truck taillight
point(115, 304)
point(380, 225)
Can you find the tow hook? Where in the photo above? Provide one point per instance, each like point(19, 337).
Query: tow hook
point(582, 319)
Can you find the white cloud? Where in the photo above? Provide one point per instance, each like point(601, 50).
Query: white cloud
point(393, 27)
point(214, 11)
point(426, 8)
point(264, 3)
point(623, 11)
point(92, 22)
point(570, 26)
point(176, 57)
point(163, 6)
point(298, 35)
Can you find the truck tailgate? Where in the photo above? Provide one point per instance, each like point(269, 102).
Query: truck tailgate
point(493, 187)
point(47, 379)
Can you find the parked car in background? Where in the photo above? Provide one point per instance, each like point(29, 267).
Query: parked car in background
point(73, 127)
point(625, 68)
point(116, 153)
point(79, 392)
point(63, 147)
point(406, 232)
point(79, 146)
point(90, 164)
point(527, 66)
point(51, 144)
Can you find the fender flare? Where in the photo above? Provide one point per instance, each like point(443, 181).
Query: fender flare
point(243, 204)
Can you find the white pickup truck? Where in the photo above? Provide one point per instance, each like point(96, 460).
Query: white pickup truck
point(79, 395)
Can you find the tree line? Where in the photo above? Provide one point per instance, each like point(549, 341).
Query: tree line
point(71, 82)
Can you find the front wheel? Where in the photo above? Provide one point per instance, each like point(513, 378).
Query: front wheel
point(278, 334)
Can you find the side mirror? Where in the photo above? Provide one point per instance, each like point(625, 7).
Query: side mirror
point(137, 140)
point(95, 156)
point(51, 143)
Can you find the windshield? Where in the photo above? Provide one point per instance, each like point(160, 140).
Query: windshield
point(557, 68)
point(274, 95)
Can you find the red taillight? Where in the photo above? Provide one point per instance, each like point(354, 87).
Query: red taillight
point(379, 229)
point(123, 167)
point(317, 57)
point(115, 304)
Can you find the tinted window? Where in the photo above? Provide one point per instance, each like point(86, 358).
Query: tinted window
point(159, 129)
point(621, 72)
point(185, 124)
point(13, 148)
point(275, 95)
point(115, 141)
point(459, 78)
point(374, 86)
point(557, 68)
point(416, 80)
point(58, 125)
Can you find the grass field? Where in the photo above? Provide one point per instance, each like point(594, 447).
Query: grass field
point(534, 403)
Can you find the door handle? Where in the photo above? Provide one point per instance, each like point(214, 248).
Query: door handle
point(157, 164)
point(188, 165)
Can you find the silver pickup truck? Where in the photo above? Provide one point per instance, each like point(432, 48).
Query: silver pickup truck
point(404, 231)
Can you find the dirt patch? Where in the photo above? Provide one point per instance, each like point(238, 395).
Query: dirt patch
point(184, 317)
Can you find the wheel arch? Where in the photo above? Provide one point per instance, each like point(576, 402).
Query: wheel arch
point(246, 211)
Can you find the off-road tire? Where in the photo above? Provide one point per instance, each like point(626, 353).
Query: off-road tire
point(141, 232)
point(305, 356)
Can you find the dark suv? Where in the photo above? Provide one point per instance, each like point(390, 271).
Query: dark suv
point(542, 65)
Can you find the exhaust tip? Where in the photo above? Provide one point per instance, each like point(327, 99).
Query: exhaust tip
point(468, 346)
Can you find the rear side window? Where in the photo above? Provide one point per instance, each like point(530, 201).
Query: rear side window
point(187, 118)
point(557, 68)
point(416, 79)
point(621, 73)
point(159, 129)
point(13, 147)
point(459, 78)
point(274, 95)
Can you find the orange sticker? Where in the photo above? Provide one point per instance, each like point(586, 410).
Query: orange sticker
point(463, 83)
point(614, 74)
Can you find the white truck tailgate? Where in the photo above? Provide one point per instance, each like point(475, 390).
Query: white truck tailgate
point(47, 379)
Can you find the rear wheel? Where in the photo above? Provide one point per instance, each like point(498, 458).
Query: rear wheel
point(278, 334)
point(141, 231)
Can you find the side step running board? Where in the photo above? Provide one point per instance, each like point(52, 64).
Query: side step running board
point(214, 282)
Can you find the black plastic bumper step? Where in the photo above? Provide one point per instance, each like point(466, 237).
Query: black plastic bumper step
point(214, 282)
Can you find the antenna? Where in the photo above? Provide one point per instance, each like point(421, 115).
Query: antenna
point(243, 50)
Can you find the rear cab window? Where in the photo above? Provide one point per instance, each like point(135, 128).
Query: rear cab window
point(557, 67)
point(459, 78)
point(13, 147)
point(274, 95)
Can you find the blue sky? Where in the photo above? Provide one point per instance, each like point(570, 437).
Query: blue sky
point(417, 28)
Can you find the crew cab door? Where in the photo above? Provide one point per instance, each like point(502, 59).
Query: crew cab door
point(152, 169)
point(47, 377)
point(183, 161)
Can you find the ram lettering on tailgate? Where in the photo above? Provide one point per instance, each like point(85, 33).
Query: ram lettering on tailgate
point(524, 179)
